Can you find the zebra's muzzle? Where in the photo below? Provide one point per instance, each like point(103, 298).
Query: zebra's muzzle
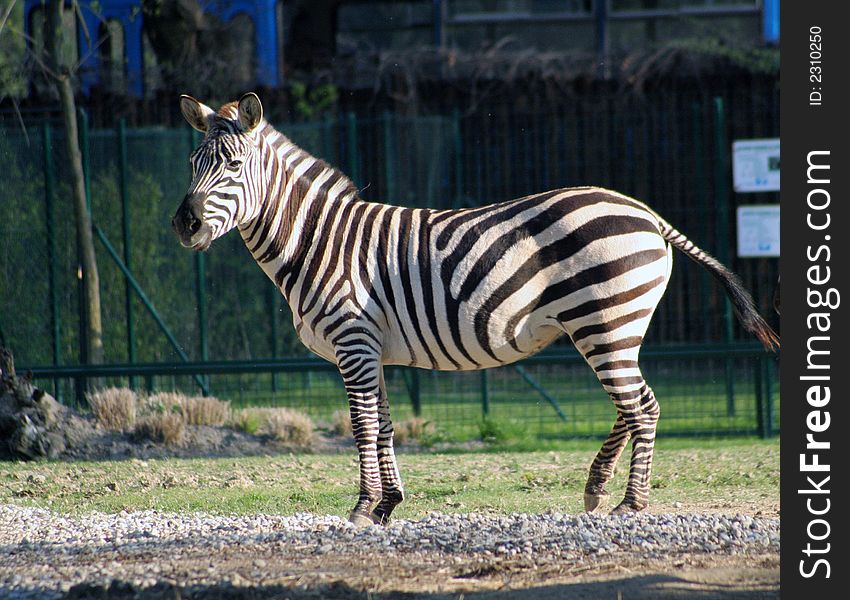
point(189, 225)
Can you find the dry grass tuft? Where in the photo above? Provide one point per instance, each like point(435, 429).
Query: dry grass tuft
point(200, 410)
point(341, 423)
point(159, 403)
point(161, 428)
point(163, 417)
point(114, 409)
point(290, 427)
point(285, 426)
point(413, 429)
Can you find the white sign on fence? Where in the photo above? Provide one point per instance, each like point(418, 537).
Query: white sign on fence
point(755, 165)
point(758, 230)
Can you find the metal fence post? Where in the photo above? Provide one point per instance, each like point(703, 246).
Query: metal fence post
point(457, 140)
point(485, 393)
point(201, 295)
point(274, 299)
point(701, 184)
point(764, 400)
point(124, 189)
point(327, 138)
point(721, 199)
point(50, 210)
point(389, 167)
point(351, 137)
point(767, 366)
point(761, 416)
point(415, 392)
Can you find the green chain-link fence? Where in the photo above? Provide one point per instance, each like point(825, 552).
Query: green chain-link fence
point(671, 152)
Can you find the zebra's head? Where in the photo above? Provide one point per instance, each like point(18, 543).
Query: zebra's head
point(223, 194)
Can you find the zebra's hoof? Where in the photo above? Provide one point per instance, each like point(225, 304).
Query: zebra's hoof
point(624, 508)
point(362, 521)
point(381, 518)
point(595, 502)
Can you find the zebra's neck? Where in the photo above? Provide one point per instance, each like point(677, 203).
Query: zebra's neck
point(301, 192)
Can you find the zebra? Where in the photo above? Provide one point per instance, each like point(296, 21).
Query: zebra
point(372, 284)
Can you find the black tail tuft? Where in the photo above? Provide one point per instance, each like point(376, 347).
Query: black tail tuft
point(746, 311)
point(742, 301)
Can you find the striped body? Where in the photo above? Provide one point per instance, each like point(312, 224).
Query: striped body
point(372, 284)
point(460, 290)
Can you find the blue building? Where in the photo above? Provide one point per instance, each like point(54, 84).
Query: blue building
point(109, 38)
point(110, 34)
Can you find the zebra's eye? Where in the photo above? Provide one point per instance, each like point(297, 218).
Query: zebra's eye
point(234, 164)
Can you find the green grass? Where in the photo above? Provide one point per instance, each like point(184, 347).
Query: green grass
point(734, 475)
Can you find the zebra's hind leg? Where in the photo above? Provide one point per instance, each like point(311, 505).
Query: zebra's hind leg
point(616, 366)
point(602, 468)
point(640, 416)
point(392, 492)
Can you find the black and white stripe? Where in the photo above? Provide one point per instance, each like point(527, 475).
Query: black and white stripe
point(373, 284)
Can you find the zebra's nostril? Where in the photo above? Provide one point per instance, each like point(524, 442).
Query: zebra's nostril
point(194, 225)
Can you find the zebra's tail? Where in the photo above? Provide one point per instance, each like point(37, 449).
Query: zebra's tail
point(742, 301)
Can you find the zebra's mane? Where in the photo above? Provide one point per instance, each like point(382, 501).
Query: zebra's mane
point(291, 155)
point(229, 110)
point(280, 142)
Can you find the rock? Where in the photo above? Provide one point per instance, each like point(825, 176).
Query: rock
point(33, 425)
point(26, 441)
point(52, 413)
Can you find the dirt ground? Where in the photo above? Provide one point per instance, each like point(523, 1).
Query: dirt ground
point(261, 572)
point(274, 569)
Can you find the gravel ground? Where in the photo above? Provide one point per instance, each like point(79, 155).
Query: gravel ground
point(152, 554)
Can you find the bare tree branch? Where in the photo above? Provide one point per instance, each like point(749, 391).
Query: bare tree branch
point(9, 8)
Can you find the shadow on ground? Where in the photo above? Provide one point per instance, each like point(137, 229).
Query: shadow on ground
point(645, 587)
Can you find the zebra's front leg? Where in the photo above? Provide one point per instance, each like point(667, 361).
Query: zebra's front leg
point(361, 376)
point(641, 418)
point(365, 435)
point(392, 492)
point(602, 468)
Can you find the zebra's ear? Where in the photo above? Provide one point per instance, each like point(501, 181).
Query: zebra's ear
point(196, 113)
point(250, 111)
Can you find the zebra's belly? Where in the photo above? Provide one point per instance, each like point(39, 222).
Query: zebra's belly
point(444, 354)
point(529, 340)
